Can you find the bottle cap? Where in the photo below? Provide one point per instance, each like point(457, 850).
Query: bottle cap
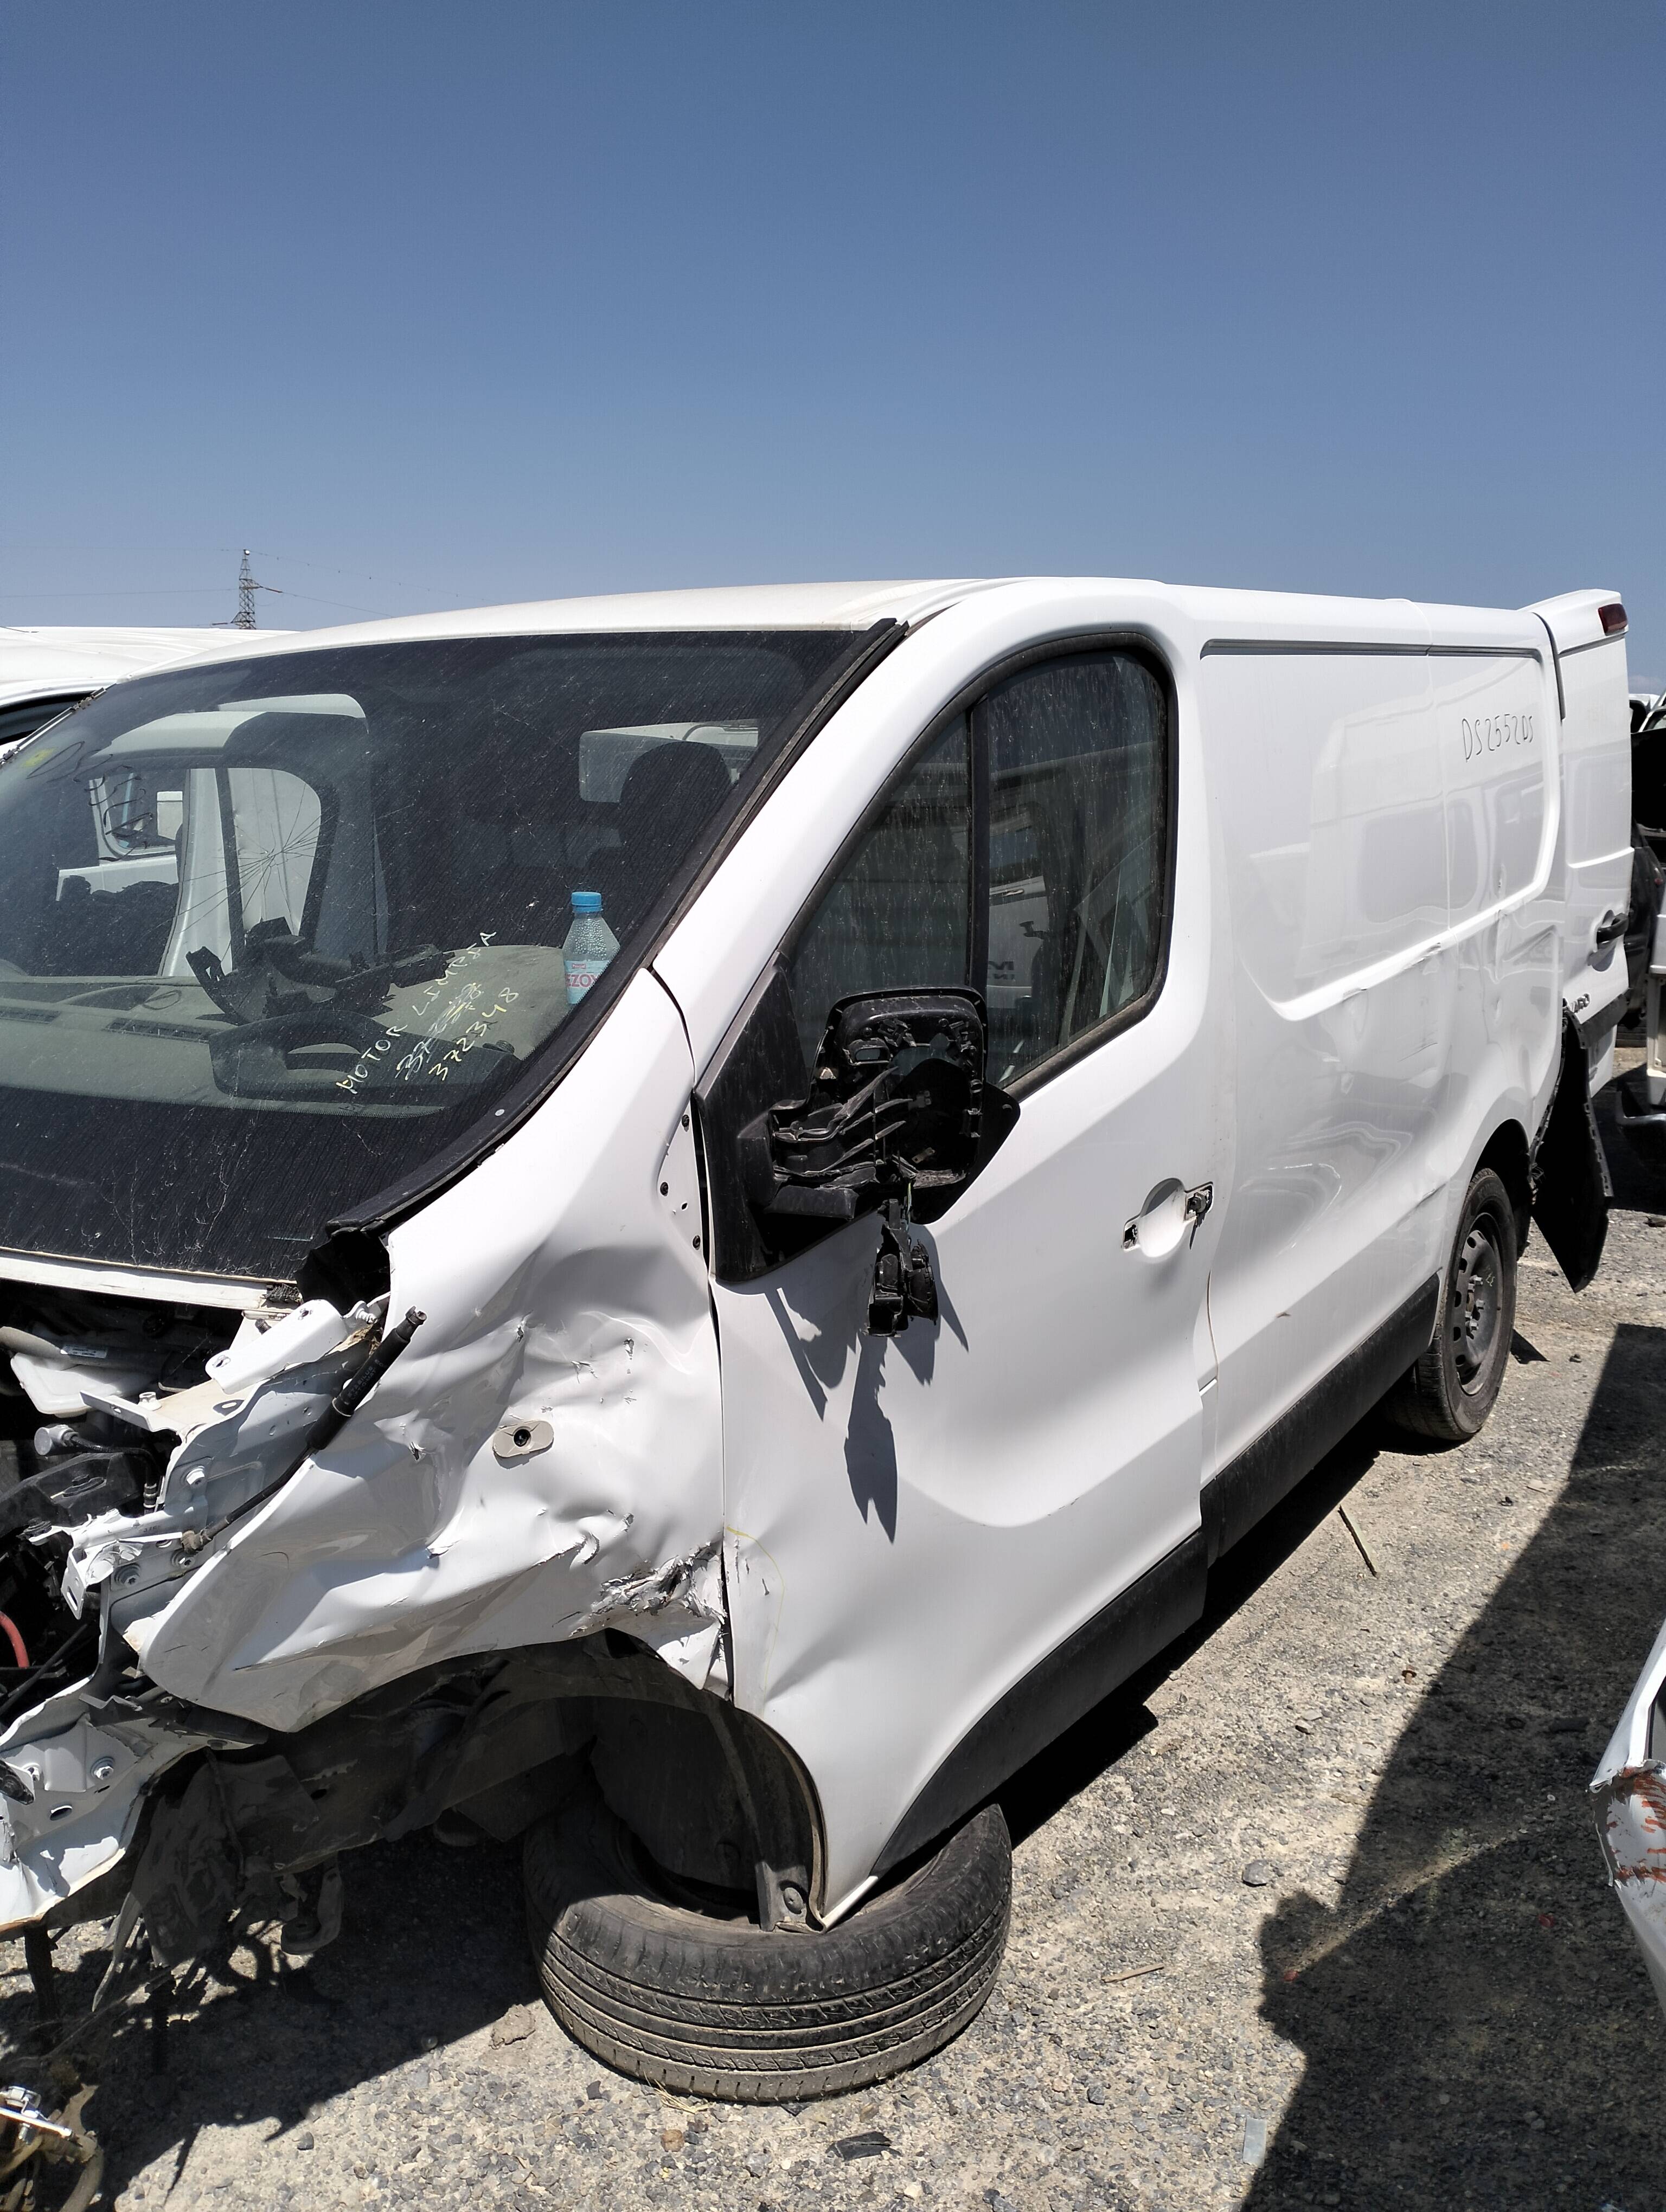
point(586, 902)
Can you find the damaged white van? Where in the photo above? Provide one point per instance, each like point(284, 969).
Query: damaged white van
point(684, 1224)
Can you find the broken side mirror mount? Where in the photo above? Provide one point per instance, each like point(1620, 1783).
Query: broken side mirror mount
point(898, 1120)
point(904, 1287)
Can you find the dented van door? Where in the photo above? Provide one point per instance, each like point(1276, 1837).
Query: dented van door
point(953, 1539)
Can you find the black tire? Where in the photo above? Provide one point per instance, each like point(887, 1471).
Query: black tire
point(1453, 1388)
point(721, 2008)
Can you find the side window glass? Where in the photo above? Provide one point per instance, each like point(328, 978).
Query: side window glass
point(1078, 804)
point(897, 915)
point(1070, 834)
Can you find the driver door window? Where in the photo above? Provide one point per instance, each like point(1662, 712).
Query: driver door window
point(897, 915)
point(1024, 849)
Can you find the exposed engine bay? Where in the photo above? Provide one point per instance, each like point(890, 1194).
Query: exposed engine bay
point(66, 1462)
point(154, 1429)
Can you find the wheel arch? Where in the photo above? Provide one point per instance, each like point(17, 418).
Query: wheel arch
point(1508, 1155)
point(712, 1794)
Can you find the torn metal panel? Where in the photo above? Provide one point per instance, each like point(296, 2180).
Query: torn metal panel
point(85, 1780)
point(679, 1611)
point(559, 1290)
point(235, 1439)
point(542, 1464)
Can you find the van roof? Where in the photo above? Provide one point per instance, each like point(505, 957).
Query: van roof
point(857, 606)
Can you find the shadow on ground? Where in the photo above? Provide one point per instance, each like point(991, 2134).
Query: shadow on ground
point(1472, 2014)
point(1475, 2018)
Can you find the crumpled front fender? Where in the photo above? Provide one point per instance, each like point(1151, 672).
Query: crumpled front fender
point(564, 1286)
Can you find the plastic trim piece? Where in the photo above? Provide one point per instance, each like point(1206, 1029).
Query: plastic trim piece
point(1269, 1469)
point(1572, 1189)
point(1597, 1025)
point(1556, 663)
point(1386, 649)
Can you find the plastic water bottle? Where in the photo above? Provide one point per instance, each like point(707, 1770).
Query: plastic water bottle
point(590, 945)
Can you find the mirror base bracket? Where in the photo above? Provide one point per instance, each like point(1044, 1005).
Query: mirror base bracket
point(905, 1285)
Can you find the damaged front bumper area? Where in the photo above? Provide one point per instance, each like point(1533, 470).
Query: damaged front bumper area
point(123, 1504)
point(362, 1566)
point(118, 1785)
point(1628, 1794)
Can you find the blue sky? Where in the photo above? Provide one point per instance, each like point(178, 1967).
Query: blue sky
point(436, 305)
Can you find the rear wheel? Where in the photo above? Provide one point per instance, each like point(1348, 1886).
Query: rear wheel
point(1450, 1391)
point(719, 2007)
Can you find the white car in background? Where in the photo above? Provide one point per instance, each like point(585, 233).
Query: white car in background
point(43, 672)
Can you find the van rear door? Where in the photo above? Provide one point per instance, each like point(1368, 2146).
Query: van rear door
point(1587, 630)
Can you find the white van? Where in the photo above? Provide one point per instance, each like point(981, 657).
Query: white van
point(1073, 1047)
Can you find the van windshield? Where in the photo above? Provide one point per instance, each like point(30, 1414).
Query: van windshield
point(274, 932)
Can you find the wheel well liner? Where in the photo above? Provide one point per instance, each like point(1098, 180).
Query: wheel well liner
point(495, 1738)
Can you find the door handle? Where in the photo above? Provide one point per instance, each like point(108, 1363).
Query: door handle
point(1611, 925)
point(1170, 1213)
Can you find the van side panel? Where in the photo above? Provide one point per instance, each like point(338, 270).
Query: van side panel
point(1328, 779)
point(1390, 816)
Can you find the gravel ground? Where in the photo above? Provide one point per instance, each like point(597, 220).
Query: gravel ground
point(1311, 1913)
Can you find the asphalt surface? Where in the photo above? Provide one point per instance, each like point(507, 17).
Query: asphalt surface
point(1422, 1995)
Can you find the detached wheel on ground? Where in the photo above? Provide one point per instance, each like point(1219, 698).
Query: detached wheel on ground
point(721, 2007)
point(1450, 1391)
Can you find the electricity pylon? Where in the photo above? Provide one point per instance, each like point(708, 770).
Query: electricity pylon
point(246, 588)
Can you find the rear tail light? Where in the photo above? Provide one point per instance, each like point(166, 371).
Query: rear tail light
point(1613, 619)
